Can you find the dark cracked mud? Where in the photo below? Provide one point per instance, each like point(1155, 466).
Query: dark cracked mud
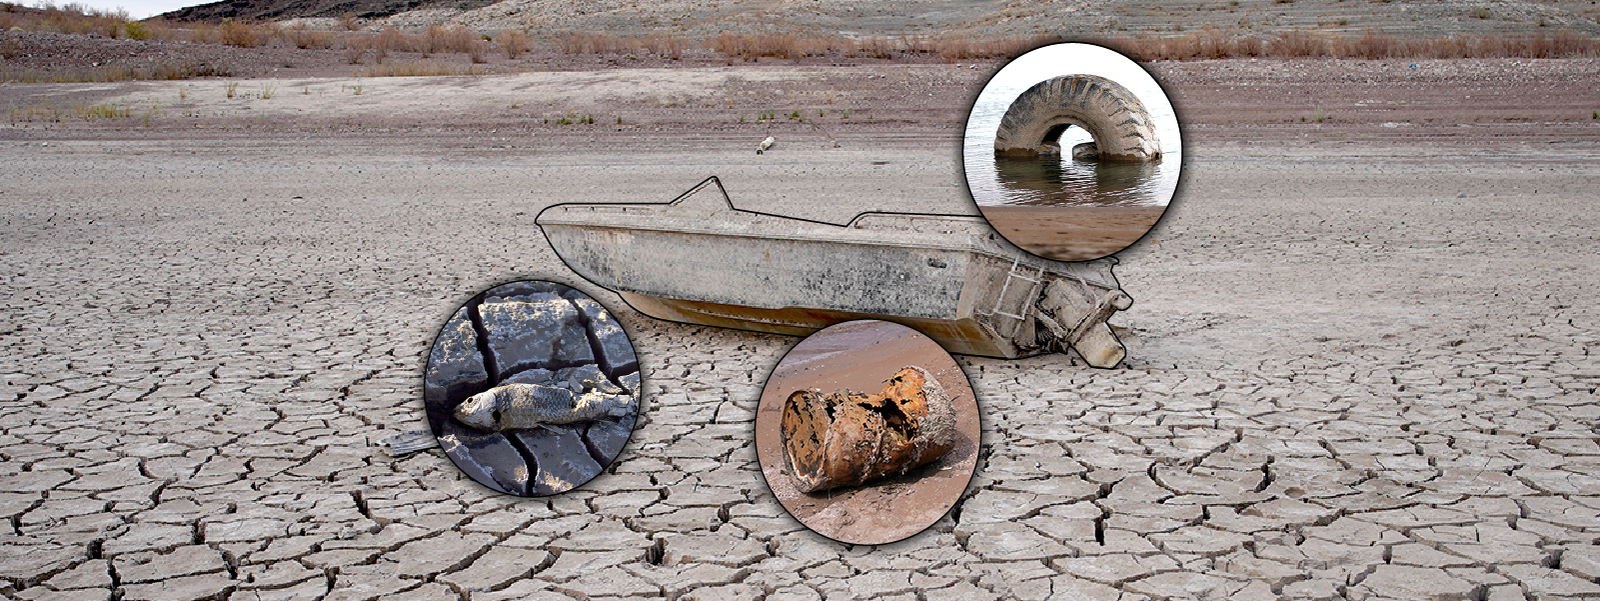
point(531, 333)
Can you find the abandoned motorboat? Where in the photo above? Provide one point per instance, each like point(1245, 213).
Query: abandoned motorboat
point(698, 259)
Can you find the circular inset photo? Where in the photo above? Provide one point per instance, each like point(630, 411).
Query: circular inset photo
point(1072, 152)
point(867, 432)
point(532, 388)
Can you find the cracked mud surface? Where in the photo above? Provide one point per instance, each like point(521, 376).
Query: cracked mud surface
point(1361, 366)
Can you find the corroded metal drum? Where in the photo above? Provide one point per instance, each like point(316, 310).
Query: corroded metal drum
point(849, 438)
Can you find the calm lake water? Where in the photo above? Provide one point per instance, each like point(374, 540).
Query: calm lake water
point(1060, 180)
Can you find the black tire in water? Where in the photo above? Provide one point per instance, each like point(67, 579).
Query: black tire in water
point(1122, 128)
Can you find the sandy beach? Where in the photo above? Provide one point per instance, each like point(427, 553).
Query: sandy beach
point(1360, 356)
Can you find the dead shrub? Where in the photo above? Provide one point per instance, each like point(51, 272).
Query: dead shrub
point(1135, 48)
point(438, 39)
point(417, 69)
point(72, 18)
point(205, 33)
point(1213, 43)
point(1246, 46)
point(962, 49)
point(513, 42)
point(303, 37)
point(590, 43)
point(1209, 43)
point(665, 46)
point(871, 47)
point(1297, 44)
point(1451, 47)
point(240, 33)
point(773, 45)
point(1371, 44)
point(1569, 43)
point(917, 44)
point(389, 40)
point(1563, 44)
point(167, 71)
point(354, 49)
point(478, 51)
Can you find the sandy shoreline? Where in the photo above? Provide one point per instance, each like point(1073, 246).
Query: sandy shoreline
point(1072, 233)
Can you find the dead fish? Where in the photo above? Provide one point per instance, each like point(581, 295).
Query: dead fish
point(514, 406)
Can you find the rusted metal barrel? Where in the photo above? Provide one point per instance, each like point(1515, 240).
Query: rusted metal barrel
point(849, 438)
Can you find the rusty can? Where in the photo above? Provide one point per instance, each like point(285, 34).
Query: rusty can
point(848, 438)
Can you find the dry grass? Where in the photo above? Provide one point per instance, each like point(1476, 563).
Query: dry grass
point(161, 71)
point(376, 48)
point(433, 40)
point(244, 34)
point(1297, 44)
point(392, 40)
point(82, 111)
point(662, 45)
point(418, 69)
point(665, 46)
point(513, 42)
point(590, 43)
point(907, 47)
point(354, 49)
point(776, 45)
point(961, 49)
point(1208, 43)
point(446, 39)
point(303, 37)
point(1370, 45)
point(71, 18)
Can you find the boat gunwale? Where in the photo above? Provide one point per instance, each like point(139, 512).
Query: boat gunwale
point(972, 243)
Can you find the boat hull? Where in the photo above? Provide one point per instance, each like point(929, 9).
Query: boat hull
point(699, 260)
point(961, 336)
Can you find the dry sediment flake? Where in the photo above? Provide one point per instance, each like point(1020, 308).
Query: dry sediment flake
point(535, 388)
